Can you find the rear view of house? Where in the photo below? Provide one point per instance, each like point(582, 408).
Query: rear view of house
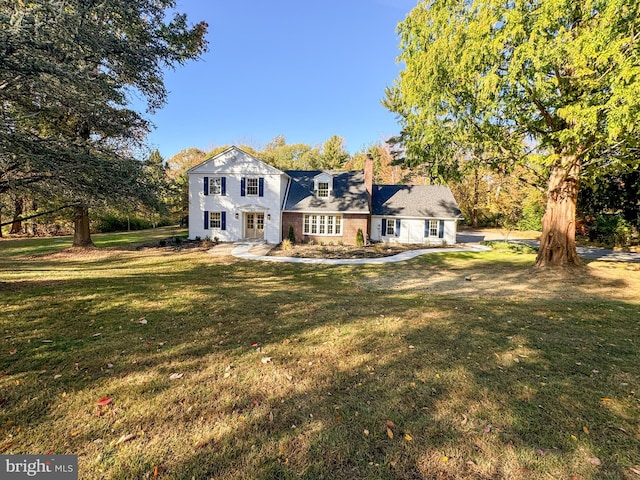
point(235, 196)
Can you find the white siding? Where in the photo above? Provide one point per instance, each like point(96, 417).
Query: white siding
point(412, 230)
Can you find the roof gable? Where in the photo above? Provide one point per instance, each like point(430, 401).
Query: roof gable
point(235, 160)
point(425, 201)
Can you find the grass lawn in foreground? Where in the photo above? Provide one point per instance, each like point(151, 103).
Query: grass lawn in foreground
point(229, 369)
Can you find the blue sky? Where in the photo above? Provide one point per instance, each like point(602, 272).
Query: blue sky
point(302, 69)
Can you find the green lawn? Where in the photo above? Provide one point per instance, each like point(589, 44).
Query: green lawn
point(220, 368)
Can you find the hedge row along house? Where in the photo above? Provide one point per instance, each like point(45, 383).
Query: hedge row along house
point(235, 196)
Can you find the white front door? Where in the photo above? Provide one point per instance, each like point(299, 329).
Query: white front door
point(254, 226)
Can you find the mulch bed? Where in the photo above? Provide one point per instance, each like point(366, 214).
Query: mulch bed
point(343, 251)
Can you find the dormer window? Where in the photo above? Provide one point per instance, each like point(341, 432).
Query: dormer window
point(323, 189)
point(323, 185)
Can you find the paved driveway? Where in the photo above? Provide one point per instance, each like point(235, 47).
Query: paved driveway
point(586, 252)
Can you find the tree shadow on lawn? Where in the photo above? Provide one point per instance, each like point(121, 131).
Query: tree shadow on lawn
point(483, 389)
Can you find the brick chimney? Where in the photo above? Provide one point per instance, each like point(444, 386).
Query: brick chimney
point(368, 176)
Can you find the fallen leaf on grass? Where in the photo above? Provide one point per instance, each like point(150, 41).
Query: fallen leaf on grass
point(408, 437)
point(126, 438)
point(390, 424)
point(366, 432)
point(13, 352)
point(389, 433)
point(585, 430)
point(104, 401)
point(266, 359)
point(487, 429)
point(540, 452)
point(595, 461)
point(5, 446)
point(155, 472)
point(635, 469)
point(445, 458)
point(176, 376)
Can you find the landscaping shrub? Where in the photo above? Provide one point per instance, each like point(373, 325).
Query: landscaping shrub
point(611, 229)
point(292, 234)
point(360, 238)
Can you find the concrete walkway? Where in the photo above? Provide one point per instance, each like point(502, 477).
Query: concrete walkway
point(242, 250)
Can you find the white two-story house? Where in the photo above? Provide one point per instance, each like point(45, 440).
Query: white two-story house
point(235, 196)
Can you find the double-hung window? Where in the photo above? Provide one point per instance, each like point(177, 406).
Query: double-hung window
point(434, 228)
point(252, 186)
point(323, 189)
point(215, 186)
point(215, 220)
point(391, 226)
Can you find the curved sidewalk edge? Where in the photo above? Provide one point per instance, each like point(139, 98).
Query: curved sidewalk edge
point(242, 251)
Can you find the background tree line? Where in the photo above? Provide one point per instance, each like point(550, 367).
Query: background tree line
point(512, 200)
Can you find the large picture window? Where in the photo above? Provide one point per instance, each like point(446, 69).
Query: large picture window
point(322, 225)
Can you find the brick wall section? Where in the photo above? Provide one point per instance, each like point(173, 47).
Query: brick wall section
point(350, 225)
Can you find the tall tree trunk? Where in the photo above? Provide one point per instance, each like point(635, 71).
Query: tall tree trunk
point(16, 227)
point(82, 234)
point(558, 239)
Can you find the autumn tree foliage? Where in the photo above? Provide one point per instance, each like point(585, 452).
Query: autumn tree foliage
point(550, 83)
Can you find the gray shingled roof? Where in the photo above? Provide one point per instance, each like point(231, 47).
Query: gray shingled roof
point(349, 193)
point(428, 201)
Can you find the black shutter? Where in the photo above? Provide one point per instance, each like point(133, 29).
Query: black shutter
point(206, 185)
point(223, 186)
point(384, 227)
point(397, 227)
point(206, 220)
point(441, 229)
point(243, 186)
point(223, 220)
point(261, 187)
